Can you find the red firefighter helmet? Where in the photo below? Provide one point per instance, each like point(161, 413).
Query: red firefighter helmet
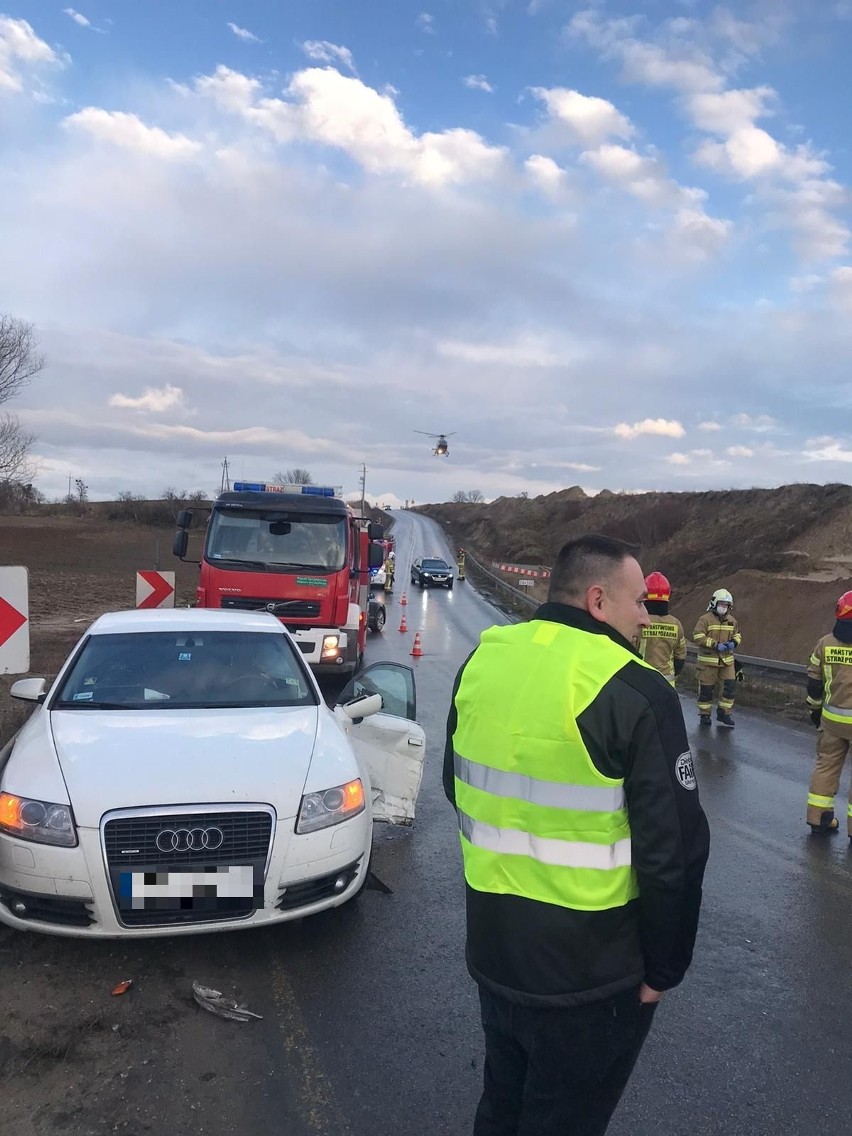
point(843, 610)
point(658, 587)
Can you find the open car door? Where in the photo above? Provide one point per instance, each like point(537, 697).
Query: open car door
point(389, 743)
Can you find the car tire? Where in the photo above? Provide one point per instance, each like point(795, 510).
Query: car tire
point(450, 586)
point(378, 623)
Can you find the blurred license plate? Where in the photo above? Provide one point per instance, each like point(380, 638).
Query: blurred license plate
point(199, 889)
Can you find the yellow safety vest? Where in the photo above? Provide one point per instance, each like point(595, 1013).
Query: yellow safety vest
point(536, 818)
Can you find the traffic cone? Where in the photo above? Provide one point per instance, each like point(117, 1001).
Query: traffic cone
point(403, 625)
point(417, 650)
point(404, 600)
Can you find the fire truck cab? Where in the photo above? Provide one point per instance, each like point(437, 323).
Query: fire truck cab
point(298, 552)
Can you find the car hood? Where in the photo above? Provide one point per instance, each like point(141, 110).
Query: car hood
point(133, 759)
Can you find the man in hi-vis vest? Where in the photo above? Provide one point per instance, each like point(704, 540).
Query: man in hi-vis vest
point(583, 841)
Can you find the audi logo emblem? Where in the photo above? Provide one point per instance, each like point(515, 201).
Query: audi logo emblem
point(190, 839)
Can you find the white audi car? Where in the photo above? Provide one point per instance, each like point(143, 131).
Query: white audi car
point(183, 774)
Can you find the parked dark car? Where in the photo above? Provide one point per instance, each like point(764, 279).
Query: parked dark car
point(431, 572)
point(375, 613)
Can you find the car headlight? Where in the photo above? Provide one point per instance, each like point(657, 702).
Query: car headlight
point(330, 806)
point(40, 821)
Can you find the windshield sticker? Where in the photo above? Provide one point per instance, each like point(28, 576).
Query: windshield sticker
point(184, 656)
point(83, 696)
point(312, 581)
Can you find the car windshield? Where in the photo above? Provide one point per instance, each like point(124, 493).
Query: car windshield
point(436, 565)
point(267, 539)
point(168, 670)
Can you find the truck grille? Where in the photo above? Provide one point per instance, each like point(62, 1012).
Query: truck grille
point(304, 609)
point(131, 844)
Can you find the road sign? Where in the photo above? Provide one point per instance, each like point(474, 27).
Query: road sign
point(526, 583)
point(14, 621)
point(155, 589)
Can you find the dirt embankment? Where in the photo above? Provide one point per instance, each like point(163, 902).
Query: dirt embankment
point(785, 554)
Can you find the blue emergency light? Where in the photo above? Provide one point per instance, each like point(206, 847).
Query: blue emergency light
point(264, 487)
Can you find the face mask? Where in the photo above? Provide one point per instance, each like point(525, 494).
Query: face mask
point(721, 609)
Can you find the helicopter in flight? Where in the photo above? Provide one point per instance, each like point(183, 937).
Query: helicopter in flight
point(441, 449)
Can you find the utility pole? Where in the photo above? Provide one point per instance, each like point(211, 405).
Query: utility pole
point(226, 477)
point(363, 490)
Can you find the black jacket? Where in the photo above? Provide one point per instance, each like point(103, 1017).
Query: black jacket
point(543, 954)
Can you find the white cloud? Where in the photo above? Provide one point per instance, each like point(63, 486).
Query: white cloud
point(827, 450)
point(589, 119)
point(681, 58)
point(229, 89)
point(20, 50)
point(244, 34)
point(478, 83)
point(760, 423)
point(678, 458)
point(709, 426)
point(661, 427)
point(547, 175)
point(77, 17)
point(527, 351)
point(739, 452)
point(426, 23)
point(341, 111)
point(129, 132)
point(153, 400)
point(321, 51)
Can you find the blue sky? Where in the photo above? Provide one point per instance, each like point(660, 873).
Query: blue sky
point(606, 243)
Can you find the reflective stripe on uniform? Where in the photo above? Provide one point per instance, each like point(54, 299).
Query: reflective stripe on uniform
point(820, 802)
point(551, 794)
point(836, 713)
point(546, 850)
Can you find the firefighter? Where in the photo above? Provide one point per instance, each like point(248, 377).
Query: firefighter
point(717, 636)
point(460, 563)
point(389, 570)
point(663, 644)
point(830, 702)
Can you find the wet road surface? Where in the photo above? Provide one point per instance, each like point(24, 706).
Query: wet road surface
point(370, 1021)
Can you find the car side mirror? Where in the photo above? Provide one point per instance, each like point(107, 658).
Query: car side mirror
point(360, 708)
point(184, 518)
point(179, 543)
point(29, 689)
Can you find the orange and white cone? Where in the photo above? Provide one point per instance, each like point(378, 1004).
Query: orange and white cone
point(404, 600)
point(417, 650)
point(403, 626)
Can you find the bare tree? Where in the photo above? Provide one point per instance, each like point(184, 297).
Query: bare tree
point(475, 497)
point(468, 496)
point(19, 361)
point(293, 477)
point(460, 496)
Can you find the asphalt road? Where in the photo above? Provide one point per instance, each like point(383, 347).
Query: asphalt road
point(370, 1021)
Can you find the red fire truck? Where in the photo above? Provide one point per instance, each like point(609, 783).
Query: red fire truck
point(297, 551)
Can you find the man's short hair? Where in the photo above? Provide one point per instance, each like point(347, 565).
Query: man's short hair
point(584, 561)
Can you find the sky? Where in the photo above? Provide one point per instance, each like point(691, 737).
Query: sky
point(602, 243)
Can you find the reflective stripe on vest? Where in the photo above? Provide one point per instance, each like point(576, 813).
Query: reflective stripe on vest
point(561, 853)
point(536, 818)
point(836, 714)
point(551, 794)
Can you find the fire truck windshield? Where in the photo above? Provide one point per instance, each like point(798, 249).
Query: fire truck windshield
point(267, 540)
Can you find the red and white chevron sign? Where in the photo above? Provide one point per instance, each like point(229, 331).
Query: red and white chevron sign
point(155, 589)
point(534, 570)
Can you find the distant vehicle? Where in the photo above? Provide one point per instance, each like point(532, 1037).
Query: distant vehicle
point(431, 572)
point(441, 450)
point(378, 577)
point(184, 774)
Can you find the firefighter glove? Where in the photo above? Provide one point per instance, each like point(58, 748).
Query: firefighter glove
point(816, 717)
point(722, 648)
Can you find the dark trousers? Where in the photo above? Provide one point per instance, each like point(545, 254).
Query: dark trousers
point(557, 1072)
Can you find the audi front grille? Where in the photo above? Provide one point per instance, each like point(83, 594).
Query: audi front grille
point(163, 842)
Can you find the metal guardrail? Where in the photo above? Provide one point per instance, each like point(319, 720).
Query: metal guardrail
point(529, 604)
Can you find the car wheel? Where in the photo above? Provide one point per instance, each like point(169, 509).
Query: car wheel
point(379, 621)
point(450, 586)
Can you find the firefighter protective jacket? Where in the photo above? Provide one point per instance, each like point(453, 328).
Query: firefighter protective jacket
point(830, 680)
point(662, 643)
point(582, 833)
point(710, 630)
